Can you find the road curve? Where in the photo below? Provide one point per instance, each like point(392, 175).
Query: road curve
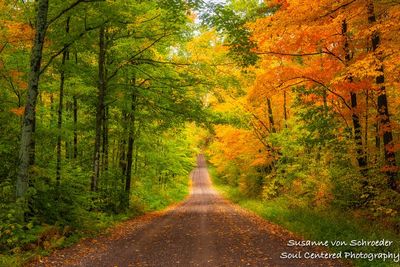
point(204, 230)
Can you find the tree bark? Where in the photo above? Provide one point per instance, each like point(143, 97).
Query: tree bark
point(361, 159)
point(131, 140)
point(75, 111)
point(366, 124)
point(75, 117)
point(285, 108)
point(136, 155)
point(51, 110)
point(60, 107)
point(27, 150)
point(122, 145)
point(271, 116)
point(383, 110)
point(99, 109)
point(105, 139)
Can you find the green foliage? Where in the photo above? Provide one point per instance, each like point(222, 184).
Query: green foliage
point(271, 189)
point(62, 204)
point(146, 58)
point(231, 175)
point(15, 234)
point(318, 122)
point(157, 197)
point(251, 183)
point(232, 23)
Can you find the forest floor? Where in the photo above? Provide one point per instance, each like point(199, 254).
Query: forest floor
point(204, 230)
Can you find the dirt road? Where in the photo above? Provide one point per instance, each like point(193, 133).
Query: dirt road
point(205, 230)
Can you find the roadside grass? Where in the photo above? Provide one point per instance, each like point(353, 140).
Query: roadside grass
point(145, 198)
point(151, 198)
point(315, 225)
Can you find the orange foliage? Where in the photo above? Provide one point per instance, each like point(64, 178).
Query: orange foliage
point(304, 44)
point(18, 111)
point(239, 146)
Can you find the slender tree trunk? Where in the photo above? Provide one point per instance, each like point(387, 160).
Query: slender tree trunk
point(136, 156)
point(68, 151)
point(271, 116)
point(99, 110)
point(361, 159)
point(27, 147)
point(383, 110)
point(75, 117)
point(105, 145)
point(366, 125)
point(131, 140)
point(75, 111)
point(122, 146)
point(285, 108)
point(60, 107)
point(59, 121)
point(51, 109)
point(122, 156)
point(105, 139)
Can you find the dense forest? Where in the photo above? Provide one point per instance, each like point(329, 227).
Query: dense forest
point(104, 106)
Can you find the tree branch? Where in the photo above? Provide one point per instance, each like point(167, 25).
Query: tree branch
point(73, 5)
point(324, 86)
point(259, 135)
point(327, 52)
point(3, 47)
point(66, 46)
point(151, 61)
point(115, 72)
point(337, 8)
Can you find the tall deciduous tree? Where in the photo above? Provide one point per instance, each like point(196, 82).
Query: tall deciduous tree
point(383, 107)
point(26, 152)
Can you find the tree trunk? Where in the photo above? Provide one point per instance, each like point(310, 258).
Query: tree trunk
point(361, 159)
point(75, 110)
point(131, 140)
point(366, 125)
point(75, 115)
point(105, 139)
point(383, 111)
point(60, 107)
point(32, 154)
point(285, 108)
point(136, 156)
point(27, 150)
point(122, 145)
point(51, 110)
point(122, 154)
point(271, 116)
point(99, 110)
